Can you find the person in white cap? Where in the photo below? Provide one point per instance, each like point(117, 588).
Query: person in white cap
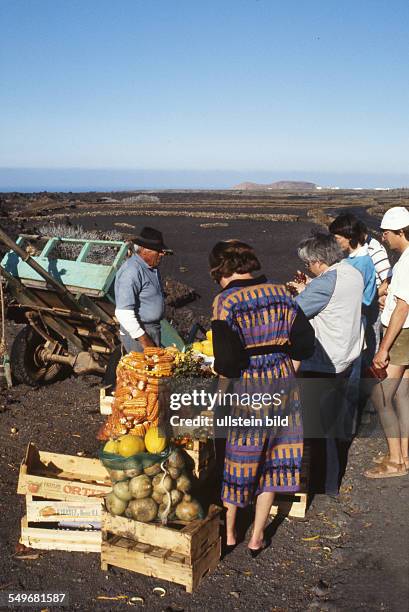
point(391, 396)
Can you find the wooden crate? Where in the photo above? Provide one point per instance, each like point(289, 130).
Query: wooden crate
point(180, 553)
point(61, 477)
point(47, 536)
point(39, 510)
point(295, 504)
point(105, 400)
point(204, 459)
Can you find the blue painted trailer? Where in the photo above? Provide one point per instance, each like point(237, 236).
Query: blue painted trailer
point(67, 301)
point(77, 275)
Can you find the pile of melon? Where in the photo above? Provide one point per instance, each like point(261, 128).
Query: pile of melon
point(206, 346)
point(154, 490)
point(129, 445)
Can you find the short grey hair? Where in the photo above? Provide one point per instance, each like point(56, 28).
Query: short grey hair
point(321, 248)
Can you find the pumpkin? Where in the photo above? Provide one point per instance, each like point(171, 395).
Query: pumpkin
point(152, 470)
point(162, 483)
point(115, 505)
point(140, 486)
point(135, 471)
point(175, 497)
point(121, 490)
point(183, 483)
point(174, 472)
point(163, 511)
point(176, 459)
point(117, 475)
point(157, 496)
point(144, 510)
point(189, 509)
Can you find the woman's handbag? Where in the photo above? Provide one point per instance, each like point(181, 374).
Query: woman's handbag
point(377, 374)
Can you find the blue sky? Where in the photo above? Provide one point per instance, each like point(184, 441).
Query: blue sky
point(259, 87)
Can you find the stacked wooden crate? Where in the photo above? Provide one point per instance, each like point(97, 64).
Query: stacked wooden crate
point(295, 504)
point(63, 498)
point(178, 552)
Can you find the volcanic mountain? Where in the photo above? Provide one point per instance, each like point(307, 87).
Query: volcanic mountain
point(278, 185)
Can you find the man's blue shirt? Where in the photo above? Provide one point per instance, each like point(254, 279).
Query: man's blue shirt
point(139, 288)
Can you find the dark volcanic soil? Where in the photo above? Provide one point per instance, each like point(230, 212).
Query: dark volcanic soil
point(347, 554)
point(275, 244)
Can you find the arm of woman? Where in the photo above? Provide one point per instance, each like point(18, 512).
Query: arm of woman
point(317, 294)
point(302, 339)
point(230, 357)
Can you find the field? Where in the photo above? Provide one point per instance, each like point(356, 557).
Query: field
point(347, 554)
point(193, 221)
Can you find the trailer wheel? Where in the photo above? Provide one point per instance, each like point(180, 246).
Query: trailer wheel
point(26, 368)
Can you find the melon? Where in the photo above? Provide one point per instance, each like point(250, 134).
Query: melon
point(155, 440)
point(111, 447)
point(207, 348)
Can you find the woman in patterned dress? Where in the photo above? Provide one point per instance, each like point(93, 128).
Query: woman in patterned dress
point(259, 337)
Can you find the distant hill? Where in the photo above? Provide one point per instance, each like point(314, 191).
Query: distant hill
point(283, 185)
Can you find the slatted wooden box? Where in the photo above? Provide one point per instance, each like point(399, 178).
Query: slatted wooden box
point(62, 477)
point(62, 525)
point(105, 400)
point(59, 489)
point(179, 552)
point(295, 504)
point(47, 536)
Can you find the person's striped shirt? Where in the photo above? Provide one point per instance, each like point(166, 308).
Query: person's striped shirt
point(379, 256)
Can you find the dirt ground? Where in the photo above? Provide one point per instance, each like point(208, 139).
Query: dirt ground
point(347, 554)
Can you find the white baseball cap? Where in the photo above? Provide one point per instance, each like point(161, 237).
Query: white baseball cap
point(395, 218)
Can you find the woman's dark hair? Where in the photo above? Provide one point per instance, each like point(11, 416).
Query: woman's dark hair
point(348, 226)
point(232, 256)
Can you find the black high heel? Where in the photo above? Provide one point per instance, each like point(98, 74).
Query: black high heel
point(228, 548)
point(254, 552)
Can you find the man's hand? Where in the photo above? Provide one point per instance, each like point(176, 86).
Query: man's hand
point(381, 358)
point(381, 302)
point(146, 340)
point(383, 287)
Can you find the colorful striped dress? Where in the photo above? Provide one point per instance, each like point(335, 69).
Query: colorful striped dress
point(263, 315)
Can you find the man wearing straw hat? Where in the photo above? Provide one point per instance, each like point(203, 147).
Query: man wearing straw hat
point(139, 294)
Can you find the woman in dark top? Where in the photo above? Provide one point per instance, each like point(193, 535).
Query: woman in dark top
point(259, 337)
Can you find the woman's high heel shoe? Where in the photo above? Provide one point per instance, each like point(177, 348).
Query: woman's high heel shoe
point(228, 548)
point(254, 552)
